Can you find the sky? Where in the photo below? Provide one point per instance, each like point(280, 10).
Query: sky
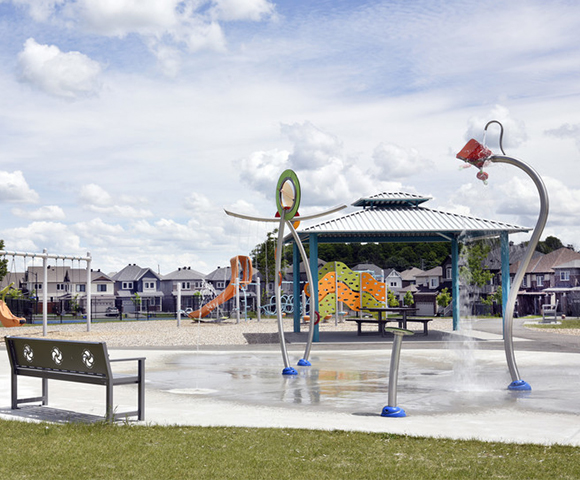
point(127, 126)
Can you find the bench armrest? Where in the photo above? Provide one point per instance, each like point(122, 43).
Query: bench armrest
point(126, 359)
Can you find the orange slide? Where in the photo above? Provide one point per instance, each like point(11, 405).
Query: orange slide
point(237, 263)
point(7, 318)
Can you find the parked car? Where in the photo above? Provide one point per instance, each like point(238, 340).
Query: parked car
point(112, 312)
point(186, 312)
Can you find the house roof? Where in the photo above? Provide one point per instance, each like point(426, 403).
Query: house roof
point(133, 273)
point(98, 276)
point(219, 273)
point(411, 274)
point(400, 216)
point(184, 273)
point(571, 264)
point(434, 272)
point(546, 263)
point(368, 267)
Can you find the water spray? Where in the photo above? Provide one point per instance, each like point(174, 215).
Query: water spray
point(478, 155)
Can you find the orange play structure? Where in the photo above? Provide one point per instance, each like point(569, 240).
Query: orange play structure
point(7, 318)
point(238, 263)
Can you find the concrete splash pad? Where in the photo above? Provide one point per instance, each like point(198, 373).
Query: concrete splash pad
point(453, 393)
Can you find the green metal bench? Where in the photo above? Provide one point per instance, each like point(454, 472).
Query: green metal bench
point(72, 361)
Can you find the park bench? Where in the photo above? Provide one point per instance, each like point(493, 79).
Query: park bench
point(383, 322)
point(72, 361)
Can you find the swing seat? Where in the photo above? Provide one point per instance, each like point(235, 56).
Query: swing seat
point(7, 318)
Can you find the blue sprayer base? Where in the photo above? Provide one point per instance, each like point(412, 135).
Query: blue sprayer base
point(393, 412)
point(304, 363)
point(289, 371)
point(519, 385)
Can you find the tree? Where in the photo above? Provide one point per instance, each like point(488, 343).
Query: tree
point(264, 256)
point(475, 272)
point(408, 299)
point(3, 263)
point(444, 298)
point(391, 299)
point(549, 245)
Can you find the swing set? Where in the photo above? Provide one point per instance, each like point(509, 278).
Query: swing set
point(44, 286)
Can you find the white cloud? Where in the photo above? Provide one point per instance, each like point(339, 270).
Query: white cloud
point(40, 10)
point(46, 213)
point(397, 162)
point(69, 75)
point(15, 189)
point(54, 236)
point(260, 170)
point(96, 199)
point(313, 148)
point(243, 9)
point(566, 131)
point(121, 17)
point(515, 133)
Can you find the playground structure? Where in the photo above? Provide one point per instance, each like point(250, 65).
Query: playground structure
point(288, 195)
point(45, 257)
point(241, 277)
point(478, 155)
point(7, 318)
point(338, 283)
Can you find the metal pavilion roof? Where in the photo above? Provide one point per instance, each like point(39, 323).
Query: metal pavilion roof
point(401, 217)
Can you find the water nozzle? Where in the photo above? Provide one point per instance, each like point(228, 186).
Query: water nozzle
point(476, 154)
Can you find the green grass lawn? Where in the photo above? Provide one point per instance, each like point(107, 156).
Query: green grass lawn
point(103, 451)
point(567, 323)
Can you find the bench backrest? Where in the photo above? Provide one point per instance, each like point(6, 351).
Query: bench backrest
point(90, 358)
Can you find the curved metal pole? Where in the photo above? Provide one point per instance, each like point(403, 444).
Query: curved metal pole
point(500, 133)
point(517, 383)
point(288, 370)
point(304, 361)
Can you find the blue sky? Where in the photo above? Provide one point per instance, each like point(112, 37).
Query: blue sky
point(127, 126)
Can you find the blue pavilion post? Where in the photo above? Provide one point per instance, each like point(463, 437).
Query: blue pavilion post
point(505, 273)
point(455, 281)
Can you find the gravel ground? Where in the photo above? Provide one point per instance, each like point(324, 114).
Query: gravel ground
point(163, 333)
point(159, 333)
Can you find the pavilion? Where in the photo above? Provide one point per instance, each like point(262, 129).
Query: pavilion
point(400, 217)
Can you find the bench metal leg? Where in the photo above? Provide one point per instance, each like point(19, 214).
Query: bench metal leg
point(109, 413)
point(141, 391)
point(45, 391)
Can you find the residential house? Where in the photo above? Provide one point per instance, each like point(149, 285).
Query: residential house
point(102, 292)
point(194, 289)
point(409, 276)
point(540, 276)
point(566, 288)
point(137, 289)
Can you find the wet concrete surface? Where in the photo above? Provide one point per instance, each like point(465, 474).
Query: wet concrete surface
point(450, 385)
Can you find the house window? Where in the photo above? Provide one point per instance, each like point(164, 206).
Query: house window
point(81, 288)
point(565, 276)
point(540, 280)
point(38, 286)
point(149, 285)
point(101, 288)
point(221, 284)
point(392, 284)
point(433, 282)
point(448, 273)
point(127, 285)
point(525, 281)
point(60, 287)
point(185, 286)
